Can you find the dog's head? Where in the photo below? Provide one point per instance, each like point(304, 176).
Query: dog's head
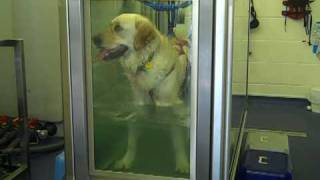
point(127, 32)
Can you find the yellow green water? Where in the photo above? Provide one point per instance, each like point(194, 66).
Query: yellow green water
point(113, 108)
point(112, 102)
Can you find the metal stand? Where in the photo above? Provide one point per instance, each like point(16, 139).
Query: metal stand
point(22, 172)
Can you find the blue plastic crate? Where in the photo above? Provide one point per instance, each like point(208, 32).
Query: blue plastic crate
point(265, 165)
point(59, 167)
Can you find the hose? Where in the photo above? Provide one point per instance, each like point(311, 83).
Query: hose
point(47, 148)
point(41, 148)
point(8, 136)
point(12, 145)
point(3, 130)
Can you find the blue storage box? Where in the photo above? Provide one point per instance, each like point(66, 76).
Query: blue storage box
point(265, 165)
point(59, 167)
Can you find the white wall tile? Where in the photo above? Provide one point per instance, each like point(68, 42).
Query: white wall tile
point(281, 63)
point(278, 90)
point(282, 52)
point(274, 29)
point(239, 71)
point(284, 74)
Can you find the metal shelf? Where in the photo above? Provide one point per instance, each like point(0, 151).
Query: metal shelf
point(22, 172)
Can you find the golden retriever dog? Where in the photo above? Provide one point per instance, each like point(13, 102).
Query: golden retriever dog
point(156, 68)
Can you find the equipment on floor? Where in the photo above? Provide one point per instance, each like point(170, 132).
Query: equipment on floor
point(10, 139)
point(254, 22)
point(266, 156)
point(59, 167)
point(266, 165)
point(41, 135)
point(314, 99)
point(40, 130)
point(297, 10)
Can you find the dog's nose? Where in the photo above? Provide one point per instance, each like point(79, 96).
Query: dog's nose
point(97, 40)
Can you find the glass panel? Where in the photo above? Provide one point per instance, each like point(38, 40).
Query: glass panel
point(240, 62)
point(139, 86)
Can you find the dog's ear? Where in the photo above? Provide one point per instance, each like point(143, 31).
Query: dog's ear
point(145, 33)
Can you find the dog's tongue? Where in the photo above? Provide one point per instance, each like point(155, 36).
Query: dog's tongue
point(112, 53)
point(104, 53)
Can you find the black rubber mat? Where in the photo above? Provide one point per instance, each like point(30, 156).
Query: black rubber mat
point(290, 115)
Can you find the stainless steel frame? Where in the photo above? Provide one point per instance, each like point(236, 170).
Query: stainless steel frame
point(66, 89)
point(17, 44)
point(207, 130)
point(205, 88)
point(78, 90)
point(229, 69)
point(222, 89)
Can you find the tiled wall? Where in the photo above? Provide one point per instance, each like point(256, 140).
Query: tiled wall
point(240, 46)
point(281, 64)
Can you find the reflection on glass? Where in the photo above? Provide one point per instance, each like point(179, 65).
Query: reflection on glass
point(140, 87)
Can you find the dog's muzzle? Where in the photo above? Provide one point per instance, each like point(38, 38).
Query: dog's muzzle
point(112, 53)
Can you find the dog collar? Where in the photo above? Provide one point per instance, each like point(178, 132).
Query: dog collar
point(147, 65)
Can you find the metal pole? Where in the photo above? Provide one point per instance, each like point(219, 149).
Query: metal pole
point(21, 95)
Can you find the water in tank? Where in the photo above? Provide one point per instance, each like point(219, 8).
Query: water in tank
point(139, 86)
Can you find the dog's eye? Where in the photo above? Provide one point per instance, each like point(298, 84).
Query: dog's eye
point(117, 28)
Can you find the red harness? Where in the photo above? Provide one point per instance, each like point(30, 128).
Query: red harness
point(296, 9)
point(180, 44)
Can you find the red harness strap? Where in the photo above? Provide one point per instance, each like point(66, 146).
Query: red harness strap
point(180, 44)
point(296, 10)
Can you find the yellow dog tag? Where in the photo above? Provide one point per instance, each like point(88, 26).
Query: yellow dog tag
point(148, 66)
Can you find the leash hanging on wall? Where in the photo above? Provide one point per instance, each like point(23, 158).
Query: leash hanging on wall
point(298, 10)
point(254, 22)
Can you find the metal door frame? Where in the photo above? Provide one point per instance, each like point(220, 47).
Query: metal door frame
point(208, 137)
point(222, 91)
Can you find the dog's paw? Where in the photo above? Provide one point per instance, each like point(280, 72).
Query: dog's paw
point(124, 163)
point(182, 166)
